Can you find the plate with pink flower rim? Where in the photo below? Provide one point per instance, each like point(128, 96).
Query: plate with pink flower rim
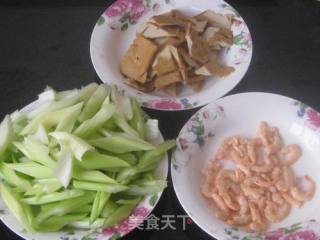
point(136, 218)
point(116, 28)
point(241, 115)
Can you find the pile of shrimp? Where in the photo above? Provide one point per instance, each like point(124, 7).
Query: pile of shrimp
point(262, 188)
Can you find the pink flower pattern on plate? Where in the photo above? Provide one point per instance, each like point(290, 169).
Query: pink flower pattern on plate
point(302, 235)
point(120, 7)
point(166, 104)
point(313, 117)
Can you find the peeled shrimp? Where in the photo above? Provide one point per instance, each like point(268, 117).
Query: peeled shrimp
point(207, 190)
point(228, 201)
point(239, 220)
point(267, 167)
point(258, 227)
point(293, 202)
point(276, 213)
point(277, 198)
point(219, 202)
point(270, 138)
point(255, 213)
point(290, 154)
point(304, 195)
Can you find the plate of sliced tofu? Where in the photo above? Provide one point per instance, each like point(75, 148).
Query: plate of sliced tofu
point(171, 55)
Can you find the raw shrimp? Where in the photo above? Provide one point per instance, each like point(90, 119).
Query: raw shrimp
point(275, 174)
point(228, 201)
point(255, 213)
point(267, 167)
point(304, 195)
point(250, 189)
point(290, 154)
point(270, 138)
point(219, 202)
point(277, 198)
point(207, 190)
point(276, 213)
point(293, 202)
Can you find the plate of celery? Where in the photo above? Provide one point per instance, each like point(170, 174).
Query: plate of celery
point(80, 164)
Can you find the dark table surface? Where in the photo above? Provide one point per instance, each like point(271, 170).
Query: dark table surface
point(47, 43)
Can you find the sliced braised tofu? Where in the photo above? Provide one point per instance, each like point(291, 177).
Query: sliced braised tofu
point(171, 90)
point(138, 58)
point(218, 38)
point(164, 62)
point(190, 62)
point(167, 19)
point(196, 78)
point(197, 46)
point(215, 19)
point(199, 26)
point(146, 87)
point(152, 31)
point(168, 79)
point(182, 66)
point(197, 86)
point(214, 68)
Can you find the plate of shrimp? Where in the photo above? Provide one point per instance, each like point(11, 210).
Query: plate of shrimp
point(246, 167)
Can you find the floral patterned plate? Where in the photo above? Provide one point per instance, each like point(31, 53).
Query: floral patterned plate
point(241, 114)
point(116, 29)
point(136, 218)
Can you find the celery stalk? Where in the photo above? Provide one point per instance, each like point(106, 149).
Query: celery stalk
point(133, 201)
point(78, 146)
point(94, 176)
point(63, 170)
point(103, 187)
point(44, 186)
point(130, 158)
point(15, 206)
point(122, 102)
point(94, 103)
point(96, 160)
point(118, 215)
point(92, 125)
point(146, 188)
point(84, 209)
point(137, 121)
point(122, 123)
point(32, 169)
point(56, 223)
point(12, 178)
point(100, 200)
point(109, 208)
point(6, 134)
point(118, 144)
point(41, 135)
point(87, 91)
point(85, 224)
point(64, 207)
point(67, 123)
point(53, 197)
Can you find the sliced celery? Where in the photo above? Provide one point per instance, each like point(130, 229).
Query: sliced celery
point(96, 160)
point(94, 176)
point(12, 178)
point(118, 144)
point(133, 201)
point(153, 134)
point(92, 125)
point(153, 156)
point(119, 215)
point(109, 208)
point(84, 209)
point(32, 169)
point(67, 123)
point(122, 102)
point(41, 135)
point(54, 197)
point(63, 170)
point(122, 123)
point(64, 207)
point(103, 187)
point(15, 206)
point(6, 134)
point(87, 91)
point(85, 224)
point(56, 223)
point(77, 145)
point(137, 121)
point(99, 201)
point(94, 103)
point(146, 188)
point(44, 186)
point(130, 158)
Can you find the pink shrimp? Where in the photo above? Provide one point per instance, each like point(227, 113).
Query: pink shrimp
point(276, 213)
point(289, 199)
point(290, 154)
point(267, 167)
point(304, 195)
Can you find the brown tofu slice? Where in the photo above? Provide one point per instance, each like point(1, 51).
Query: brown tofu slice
point(184, 54)
point(171, 90)
point(215, 19)
point(144, 87)
point(197, 46)
point(168, 79)
point(214, 68)
point(169, 41)
point(138, 58)
point(153, 31)
point(179, 61)
point(218, 38)
point(196, 78)
point(164, 62)
point(197, 86)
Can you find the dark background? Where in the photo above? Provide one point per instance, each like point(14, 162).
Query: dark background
point(47, 43)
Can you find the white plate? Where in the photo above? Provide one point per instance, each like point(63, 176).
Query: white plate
point(141, 212)
point(114, 32)
point(241, 114)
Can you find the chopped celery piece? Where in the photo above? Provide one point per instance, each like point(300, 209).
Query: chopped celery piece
point(53, 197)
point(64, 168)
point(6, 134)
point(78, 146)
point(87, 91)
point(36, 151)
point(85, 224)
point(44, 187)
point(94, 176)
point(94, 103)
point(146, 188)
point(103, 187)
point(109, 208)
point(41, 135)
point(137, 121)
point(130, 158)
point(118, 215)
point(93, 124)
point(118, 144)
point(67, 123)
point(96, 160)
point(55, 223)
point(133, 201)
point(12, 178)
point(84, 209)
point(148, 176)
point(32, 169)
point(152, 156)
point(15, 206)
point(122, 123)
point(48, 119)
point(122, 102)
point(63, 207)
point(99, 201)
point(152, 131)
